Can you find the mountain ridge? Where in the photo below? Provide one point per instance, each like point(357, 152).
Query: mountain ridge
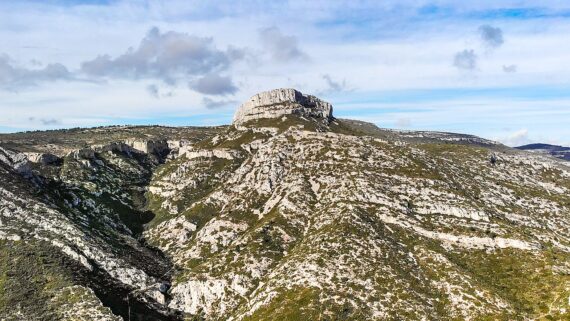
point(554, 150)
point(281, 218)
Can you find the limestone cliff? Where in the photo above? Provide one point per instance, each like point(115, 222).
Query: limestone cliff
point(278, 102)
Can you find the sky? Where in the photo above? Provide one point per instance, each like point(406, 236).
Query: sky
point(496, 69)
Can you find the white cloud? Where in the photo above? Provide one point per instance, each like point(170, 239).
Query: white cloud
point(215, 104)
point(214, 84)
point(516, 138)
point(282, 48)
point(166, 56)
point(370, 45)
point(14, 77)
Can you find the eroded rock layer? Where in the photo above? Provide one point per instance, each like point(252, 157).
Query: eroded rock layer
point(278, 102)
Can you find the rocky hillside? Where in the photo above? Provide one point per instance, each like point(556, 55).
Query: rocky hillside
point(554, 150)
point(287, 214)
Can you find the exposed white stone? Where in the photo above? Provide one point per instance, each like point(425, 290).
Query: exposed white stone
point(278, 102)
point(17, 161)
point(195, 295)
point(83, 153)
point(42, 220)
point(173, 144)
point(176, 232)
point(9, 237)
point(358, 220)
point(443, 209)
point(225, 153)
point(148, 146)
point(42, 158)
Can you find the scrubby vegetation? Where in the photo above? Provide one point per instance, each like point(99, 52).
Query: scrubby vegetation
point(288, 218)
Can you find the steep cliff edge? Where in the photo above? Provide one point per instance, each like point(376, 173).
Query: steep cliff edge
point(278, 102)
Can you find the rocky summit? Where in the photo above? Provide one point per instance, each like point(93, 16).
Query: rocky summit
point(280, 102)
point(288, 214)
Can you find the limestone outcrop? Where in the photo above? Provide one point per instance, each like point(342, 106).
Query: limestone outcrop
point(17, 161)
point(149, 146)
point(284, 101)
point(42, 158)
point(225, 153)
point(83, 153)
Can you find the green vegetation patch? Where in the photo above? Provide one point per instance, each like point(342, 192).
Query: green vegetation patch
point(30, 276)
point(525, 279)
point(291, 304)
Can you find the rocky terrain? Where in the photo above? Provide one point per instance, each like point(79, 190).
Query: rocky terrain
point(287, 214)
point(553, 150)
point(280, 102)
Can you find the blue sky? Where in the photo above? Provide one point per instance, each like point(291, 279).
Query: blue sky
point(497, 69)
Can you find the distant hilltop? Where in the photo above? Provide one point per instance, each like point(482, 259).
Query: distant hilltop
point(284, 101)
point(553, 150)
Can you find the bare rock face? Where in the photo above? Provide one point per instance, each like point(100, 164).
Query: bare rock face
point(17, 161)
point(284, 101)
point(42, 158)
point(148, 146)
point(83, 153)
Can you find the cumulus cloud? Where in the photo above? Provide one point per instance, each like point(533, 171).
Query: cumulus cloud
point(170, 57)
point(465, 60)
point(14, 77)
point(510, 69)
point(491, 37)
point(167, 56)
point(282, 48)
point(213, 84)
point(214, 104)
point(516, 138)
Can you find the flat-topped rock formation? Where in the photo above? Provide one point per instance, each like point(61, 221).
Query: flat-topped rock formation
point(278, 102)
